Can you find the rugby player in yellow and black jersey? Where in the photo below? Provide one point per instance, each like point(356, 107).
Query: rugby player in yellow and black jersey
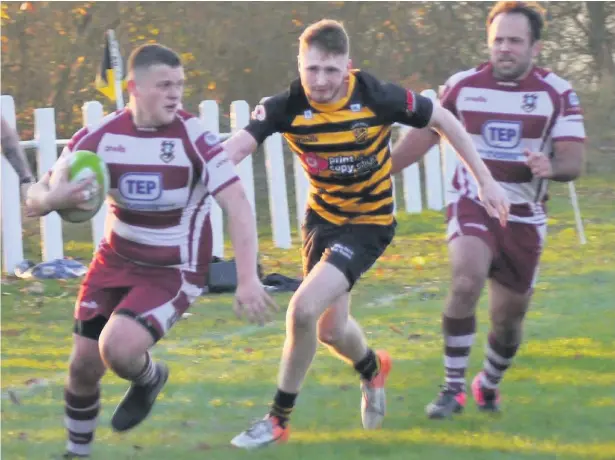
point(338, 121)
point(344, 146)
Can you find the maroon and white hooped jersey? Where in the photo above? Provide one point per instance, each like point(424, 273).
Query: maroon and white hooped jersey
point(505, 118)
point(161, 185)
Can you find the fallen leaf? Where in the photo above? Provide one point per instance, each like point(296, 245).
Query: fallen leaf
point(11, 332)
point(203, 446)
point(414, 336)
point(137, 447)
point(345, 387)
point(248, 350)
point(396, 330)
point(23, 436)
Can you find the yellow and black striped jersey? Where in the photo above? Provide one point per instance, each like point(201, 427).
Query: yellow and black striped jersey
point(344, 145)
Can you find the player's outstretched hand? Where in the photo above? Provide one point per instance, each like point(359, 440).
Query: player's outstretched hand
point(253, 302)
point(495, 201)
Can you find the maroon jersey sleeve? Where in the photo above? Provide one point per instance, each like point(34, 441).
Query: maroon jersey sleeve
point(209, 158)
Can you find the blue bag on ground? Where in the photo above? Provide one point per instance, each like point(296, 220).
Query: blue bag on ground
point(54, 269)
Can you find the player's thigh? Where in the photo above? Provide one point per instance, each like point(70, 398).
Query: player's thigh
point(103, 288)
point(520, 249)
point(355, 249)
point(471, 243)
point(157, 299)
point(324, 284)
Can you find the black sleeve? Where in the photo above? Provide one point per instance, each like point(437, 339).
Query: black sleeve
point(273, 120)
point(405, 106)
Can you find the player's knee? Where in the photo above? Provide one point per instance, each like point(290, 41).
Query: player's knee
point(112, 355)
point(122, 342)
point(85, 371)
point(466, 287)
point(301, 312)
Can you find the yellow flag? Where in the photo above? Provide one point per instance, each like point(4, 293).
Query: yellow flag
point(105, 79)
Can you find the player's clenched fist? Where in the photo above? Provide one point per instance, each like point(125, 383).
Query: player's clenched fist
point(539, 164)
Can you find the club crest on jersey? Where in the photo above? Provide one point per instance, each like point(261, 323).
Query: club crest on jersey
point(502, 134)
point(529, 102)
point(360, 132)
point(167, 151)
point(139, 186)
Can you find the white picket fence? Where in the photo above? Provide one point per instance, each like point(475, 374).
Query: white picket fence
point(438, 171)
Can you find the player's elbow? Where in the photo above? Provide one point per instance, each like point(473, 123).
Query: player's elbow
point(239, 146)
point(234, 153)
point(442, 120)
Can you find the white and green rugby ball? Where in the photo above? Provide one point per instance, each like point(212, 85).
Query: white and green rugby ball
point(83, 165)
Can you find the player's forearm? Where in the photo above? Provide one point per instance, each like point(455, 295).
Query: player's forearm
point(567, 163)
point(242, 229)
point(411, 147)
point(239, 146)
point(461, 141)
point(16, 156)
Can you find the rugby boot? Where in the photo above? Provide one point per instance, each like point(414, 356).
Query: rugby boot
point(447, 403)
point(138, 401)
point(262, 433)
point(487, 400)
point(373, 397)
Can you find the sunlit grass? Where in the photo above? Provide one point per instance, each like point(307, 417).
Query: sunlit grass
point(558, 397)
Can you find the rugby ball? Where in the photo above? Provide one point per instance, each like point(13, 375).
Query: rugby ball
point(83, 165)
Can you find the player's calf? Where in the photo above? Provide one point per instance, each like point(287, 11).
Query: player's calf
point(124, 343)
point(82, 397)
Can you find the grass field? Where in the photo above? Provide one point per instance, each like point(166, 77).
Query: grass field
point(559, 398)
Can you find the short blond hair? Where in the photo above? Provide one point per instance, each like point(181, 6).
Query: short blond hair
point(328, 35)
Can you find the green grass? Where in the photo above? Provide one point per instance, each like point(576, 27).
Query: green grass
point(559, 398)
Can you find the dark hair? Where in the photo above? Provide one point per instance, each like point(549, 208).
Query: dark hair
point(532, 11)
point(151, 54)
point(328, 35)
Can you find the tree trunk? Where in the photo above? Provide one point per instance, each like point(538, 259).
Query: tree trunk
point(599, 39)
